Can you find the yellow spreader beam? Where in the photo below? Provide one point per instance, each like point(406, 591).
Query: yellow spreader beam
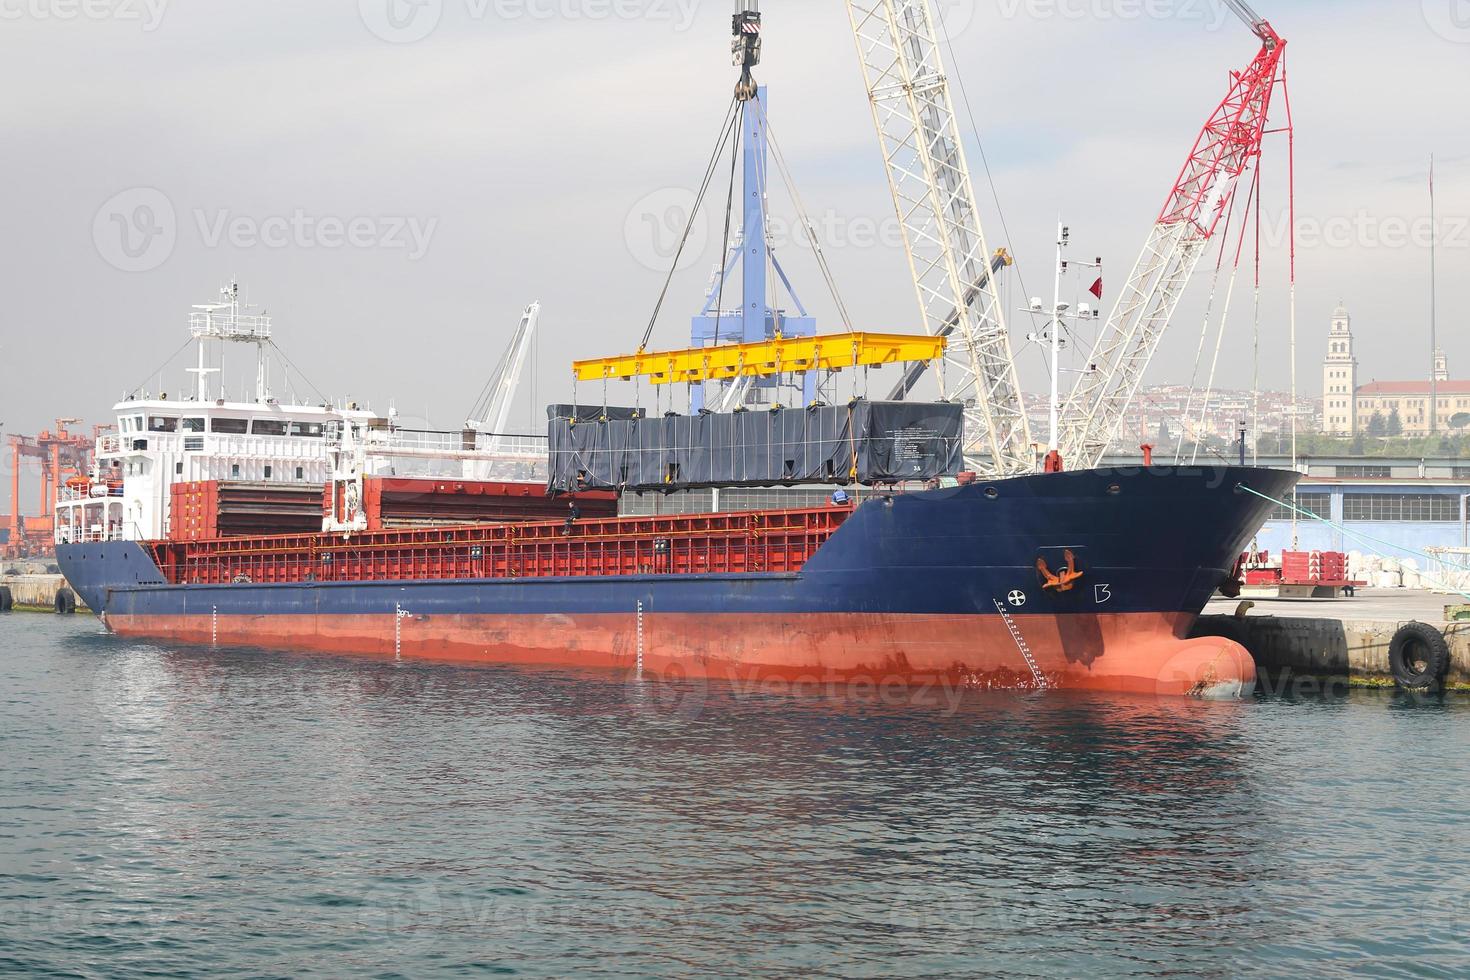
point(831, 352)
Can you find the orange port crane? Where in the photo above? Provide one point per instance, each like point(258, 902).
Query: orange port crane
point(61, 454)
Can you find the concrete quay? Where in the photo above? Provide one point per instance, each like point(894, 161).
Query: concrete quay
point(37, 592)
point(1344, 639)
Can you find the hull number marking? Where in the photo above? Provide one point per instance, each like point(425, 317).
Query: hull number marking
point(1102, 593)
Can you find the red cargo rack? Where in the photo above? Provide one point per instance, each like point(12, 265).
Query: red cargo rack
point(405, 502)
point(207, 509)
point(683, 544)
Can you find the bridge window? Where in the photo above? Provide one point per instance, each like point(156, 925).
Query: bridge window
point(312, 430)
point(234, 427)
point(162, 423)
point(193, 425)
point(268, 427)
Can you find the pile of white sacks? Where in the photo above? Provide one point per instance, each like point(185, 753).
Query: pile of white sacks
point(1408, 573)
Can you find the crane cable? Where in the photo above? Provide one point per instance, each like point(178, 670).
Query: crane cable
point(729, 207)
point(954, 66)
point(1351, 533)
point(726, 128)
point(1225, 314)
point(1256, 336)
point(1204, 331)
point(481, 409)
point(806, 220)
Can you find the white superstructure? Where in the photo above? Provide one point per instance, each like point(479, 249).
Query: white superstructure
point(161, 441)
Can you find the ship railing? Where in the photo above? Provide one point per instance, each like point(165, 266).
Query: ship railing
point(81, 495)
point(455, 455)
point(89, 533)
point(229, 325)
point(261, 448)
point(395, 441)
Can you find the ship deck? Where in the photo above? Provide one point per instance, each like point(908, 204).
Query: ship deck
point(767, 541)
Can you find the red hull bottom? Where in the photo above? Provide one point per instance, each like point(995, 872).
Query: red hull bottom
point(1132, 652)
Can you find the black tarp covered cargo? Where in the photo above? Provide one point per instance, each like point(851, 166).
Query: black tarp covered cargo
point(863, 442)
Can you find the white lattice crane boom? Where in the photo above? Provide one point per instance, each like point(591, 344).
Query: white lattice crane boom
point(1227, 148)
point(935, 200)
point(492, 412)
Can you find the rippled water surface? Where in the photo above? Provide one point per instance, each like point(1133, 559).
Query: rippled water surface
point(175, 810)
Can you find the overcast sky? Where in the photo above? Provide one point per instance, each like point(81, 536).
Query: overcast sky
point(396, 188)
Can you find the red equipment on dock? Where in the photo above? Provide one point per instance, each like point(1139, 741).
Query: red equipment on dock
point(1299, 574)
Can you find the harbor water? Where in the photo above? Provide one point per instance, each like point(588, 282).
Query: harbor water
point(170, 811)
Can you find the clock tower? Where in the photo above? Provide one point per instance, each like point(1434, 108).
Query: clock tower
point(1340, 378)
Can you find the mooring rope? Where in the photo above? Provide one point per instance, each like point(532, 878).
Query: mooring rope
point(1368, 537)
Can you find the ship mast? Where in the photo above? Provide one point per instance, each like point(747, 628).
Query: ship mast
point(223, 321)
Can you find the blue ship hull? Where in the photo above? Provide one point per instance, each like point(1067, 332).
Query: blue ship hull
point(941, 584)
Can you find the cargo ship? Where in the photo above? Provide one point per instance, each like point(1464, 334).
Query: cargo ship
point(906, 566)
point(1089, 579)
point(934, 587)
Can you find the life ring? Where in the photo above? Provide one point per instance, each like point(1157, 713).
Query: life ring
point(1418, 657)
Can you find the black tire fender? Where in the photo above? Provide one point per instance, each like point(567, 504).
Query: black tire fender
point(1418, 657)
point(7, 601)
point(66, 601)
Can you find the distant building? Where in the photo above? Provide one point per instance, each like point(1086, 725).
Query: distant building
point(1340, 378)
point(1349, 408)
